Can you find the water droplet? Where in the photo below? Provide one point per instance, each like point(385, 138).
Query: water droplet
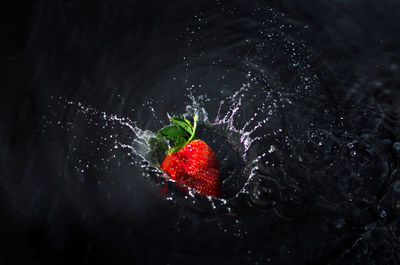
point(383, 214)
point(370, 227)
point(271, 149)
point(396, 146)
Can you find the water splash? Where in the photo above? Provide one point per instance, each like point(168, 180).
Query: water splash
point(225, 124)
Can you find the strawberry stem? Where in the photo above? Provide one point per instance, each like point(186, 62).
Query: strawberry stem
point(181, 132)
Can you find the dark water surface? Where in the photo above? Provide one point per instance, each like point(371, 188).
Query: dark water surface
point(300, 101)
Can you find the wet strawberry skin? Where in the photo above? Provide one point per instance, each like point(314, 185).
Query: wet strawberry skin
point(196, 166)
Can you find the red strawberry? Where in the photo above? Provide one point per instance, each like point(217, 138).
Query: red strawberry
point(190, 162)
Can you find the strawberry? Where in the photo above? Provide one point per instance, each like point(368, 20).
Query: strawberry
point(190, 161)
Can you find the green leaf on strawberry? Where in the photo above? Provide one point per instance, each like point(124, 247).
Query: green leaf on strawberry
point(173, 132)
point(183, 123)
point(181, 132)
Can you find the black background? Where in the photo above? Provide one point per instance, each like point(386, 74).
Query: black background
point(53, 46)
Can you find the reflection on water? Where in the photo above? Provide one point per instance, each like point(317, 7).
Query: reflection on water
point(304, 126)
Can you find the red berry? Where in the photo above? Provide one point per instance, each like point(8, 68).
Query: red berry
point(191, 163)
point(195, 165)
